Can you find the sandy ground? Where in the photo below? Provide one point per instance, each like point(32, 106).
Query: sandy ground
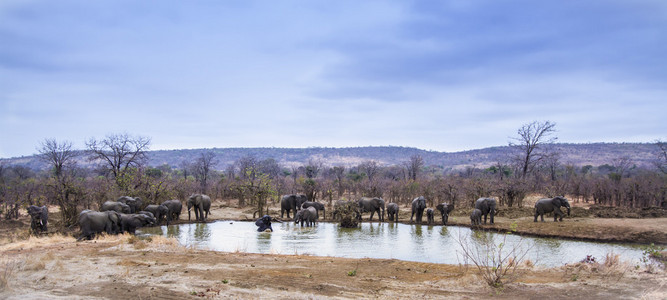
point(125, 267)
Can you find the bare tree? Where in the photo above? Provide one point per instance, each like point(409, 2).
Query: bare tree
point(119, 153)
point(370, 168)
point(531, 137)
point(58, 155)
point(661, 161)
point(202, 169)
point(414, 165)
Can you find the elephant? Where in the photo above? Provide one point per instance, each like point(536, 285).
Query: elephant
point(341, 206)
point(372, 205)
point(94, 222)
point(174, 207)
point(429, 216)
point(307, 216)
point(148, 213)
point(487, 206)
point(418, 206)
point(135, 204)
point(318, 206)
point(119, 207)
point(291, 202)
point(476, 217)
point(39, 218)
point(159, 212)
point(547, 205)
point(130, 222)
point(201, 204)
point(444, 209)
point(392, 212)
point(264, 223)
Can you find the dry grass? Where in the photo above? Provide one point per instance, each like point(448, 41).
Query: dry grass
point(34, 242)
point(7, 267)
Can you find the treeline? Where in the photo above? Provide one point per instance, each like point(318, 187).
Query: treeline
point(120, 168)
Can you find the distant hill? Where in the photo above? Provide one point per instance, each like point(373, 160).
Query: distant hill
point(577, 154)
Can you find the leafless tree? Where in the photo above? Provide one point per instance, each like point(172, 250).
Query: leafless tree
point(531, 137)
point(370, 168)
point(622, 165)
point(119, 153)
point(58, 155)
point(202, 169)
point(414, 166)
point(661, 161)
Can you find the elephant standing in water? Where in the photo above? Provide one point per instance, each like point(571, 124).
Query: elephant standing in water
point(318, 206)
point(264, 223)
point(476, 217)
point(201, 203)
point(392, 212)
point(548, 205)
point(444, 209)
point(307, 216)
point(174, 207)
point(291, 202)
point(39, 218)
point(418, 206)
point(487, 206)
point(372, 205)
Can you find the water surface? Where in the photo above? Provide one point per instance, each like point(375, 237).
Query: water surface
point(433, 244)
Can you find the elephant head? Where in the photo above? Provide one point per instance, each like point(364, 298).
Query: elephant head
point(39, 217)
point(445, 209)
point(264, 223)
point(559, 201)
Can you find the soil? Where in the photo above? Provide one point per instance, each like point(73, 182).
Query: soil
point(55, 266)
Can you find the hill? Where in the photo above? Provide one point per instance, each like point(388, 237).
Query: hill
point(595, 154)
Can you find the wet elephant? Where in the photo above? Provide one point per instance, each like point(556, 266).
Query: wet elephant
point(318, 206)
point(201, 203)
point(290, 203)
point(418, 207)
point(39, 218)
point(264, 223)
point(548, 205)
point(487, 206)
point(306, 216)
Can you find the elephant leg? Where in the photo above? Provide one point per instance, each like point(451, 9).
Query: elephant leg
point(536, 214)
point(492, 215)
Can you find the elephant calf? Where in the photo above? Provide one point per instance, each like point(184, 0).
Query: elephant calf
point(392, 212)
point(429, 216)
point(318, 206)
point(476, 217)
point(306, 216)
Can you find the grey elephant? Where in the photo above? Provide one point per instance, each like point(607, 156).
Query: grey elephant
point(487, 206)
point(306, 216)
point(290, 203)
point(548, 205)
point(39, 218)
point(264, 223)
point(130, 222)
point(201, 203)
point(94, 222)
point(318, 206)
point(392, 212)
point(476, 217)
point(148, 213)
point(175, 207)
point(341, 207)
point(430, 216)
point(445, 209)
point(135, 204)
point(372, 205)
point(119, 207)
point(418, 206)
point(159, 212)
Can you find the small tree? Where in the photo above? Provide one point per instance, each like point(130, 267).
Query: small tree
point(202, 169)
point(414, 166)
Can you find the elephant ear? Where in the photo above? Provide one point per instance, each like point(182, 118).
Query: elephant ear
point(556, 201)
point(450, 207)
point(440, 207)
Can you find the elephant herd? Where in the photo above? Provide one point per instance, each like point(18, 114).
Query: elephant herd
point(307, 212)
point(126, 214)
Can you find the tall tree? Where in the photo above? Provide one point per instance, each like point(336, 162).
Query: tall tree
point(119, 153)
point(202, 168)
point(414, 166)
point(661, 161)
point(530, 137)
point(62, 186)
point(58, 155)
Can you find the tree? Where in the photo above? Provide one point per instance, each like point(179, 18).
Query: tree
point(531, 137)
point(661, 161)
point(119, 153)
point(63, 187)
point(370, 168)
point(414, 165)
point(202, 168)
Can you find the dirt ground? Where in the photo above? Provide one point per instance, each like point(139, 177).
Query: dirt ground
point(55, 266)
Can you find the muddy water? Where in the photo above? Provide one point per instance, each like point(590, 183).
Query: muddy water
point(434, 244)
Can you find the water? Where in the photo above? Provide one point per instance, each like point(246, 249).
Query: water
point(433, 244)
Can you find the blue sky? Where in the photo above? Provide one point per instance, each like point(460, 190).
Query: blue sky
point(437, 75)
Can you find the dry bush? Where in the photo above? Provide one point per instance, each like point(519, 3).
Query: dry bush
point(7, 267)
point(33, 242)
point(498, 264)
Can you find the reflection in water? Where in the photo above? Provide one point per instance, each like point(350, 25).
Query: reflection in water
point(384, 240)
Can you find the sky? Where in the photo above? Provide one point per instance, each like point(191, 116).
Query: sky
point(435, 75)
